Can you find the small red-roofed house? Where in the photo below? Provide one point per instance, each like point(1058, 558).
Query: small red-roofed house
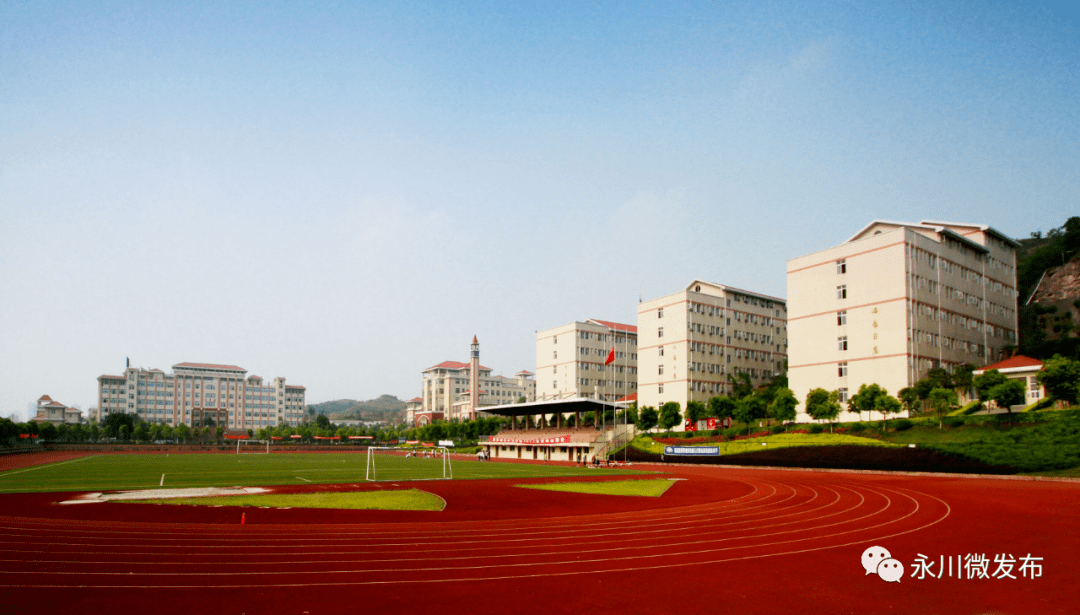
point(1020, 368)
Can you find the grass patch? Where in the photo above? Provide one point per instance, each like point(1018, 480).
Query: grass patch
point(409, 499)
point(774, 441)
point(123, 472)
point(1039, 447)
point(652, 488)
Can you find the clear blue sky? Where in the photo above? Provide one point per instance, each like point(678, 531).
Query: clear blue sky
point(345, 193)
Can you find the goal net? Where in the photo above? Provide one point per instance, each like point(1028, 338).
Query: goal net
point(252, 446)
point(392, 463)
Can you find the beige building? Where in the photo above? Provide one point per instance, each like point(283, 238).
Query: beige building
point(1024, 369)
point(196, 392)
point(692, 343)
point(447, 389)
point(571, 361)
point(896, 300)
point(50, 411)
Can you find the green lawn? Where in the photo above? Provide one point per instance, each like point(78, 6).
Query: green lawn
point(775, 441)
point(652, 488)
point(117, 472)
point(404, 499)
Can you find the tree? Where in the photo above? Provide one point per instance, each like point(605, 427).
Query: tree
point(1008, 394)
point(741, 385)
point(695, 411)
point(122, 433)
point(140, 432)
point(183, 432)
point(95, 432)
point(866, 400)
point(962, 379)
point(986, 381)
point(822, 405)
point(748, 409)
point(908, 397)
point(670, 415)
point(647, 418)
point(784, 405)
point(886, 405)
point(47, 432)
point(722, 407)
point(322, 422)
point(942, 401)
point(1061, 377)
point(155, 432)
point(219, 433)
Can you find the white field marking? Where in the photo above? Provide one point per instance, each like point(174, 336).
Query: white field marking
point(156, 494)
point(47, 465)
point(162, 483)
point(303, 479)
point(531, 564)
point(675, 479)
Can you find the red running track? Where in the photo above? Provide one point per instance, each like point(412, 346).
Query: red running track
point(720, 540)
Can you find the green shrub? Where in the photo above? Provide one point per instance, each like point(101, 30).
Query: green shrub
point(857, 428)
point(689, 434)
point(901, 424)
point(953, 421)
point(714, 433)
point(777, 429)
point(734, 431)
point(815, 428)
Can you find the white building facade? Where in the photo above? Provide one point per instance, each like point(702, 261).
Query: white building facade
point(571, 361)
point(693, 343)
point(197, 394)
point(449, 388)
point(894, 301)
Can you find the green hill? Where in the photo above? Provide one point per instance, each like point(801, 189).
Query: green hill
point(383, 408)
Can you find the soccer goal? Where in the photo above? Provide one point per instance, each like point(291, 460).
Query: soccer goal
point(391, 463)
point(253, 446)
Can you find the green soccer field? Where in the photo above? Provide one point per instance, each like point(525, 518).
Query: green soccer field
point(119, 472)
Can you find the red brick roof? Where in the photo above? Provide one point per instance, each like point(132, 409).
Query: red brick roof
point(630, 397)
point(44, 398)
point(416, 399)
point(524, 371)
point(615, 325)
point(210, 366)
point(1014, 362)
point(454, 365)
point(295, 386)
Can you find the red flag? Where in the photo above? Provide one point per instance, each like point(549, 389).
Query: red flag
point(610, 356)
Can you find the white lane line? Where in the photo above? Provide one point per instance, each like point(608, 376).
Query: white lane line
point(303, 479)
point(47, 465)
point(162, 483)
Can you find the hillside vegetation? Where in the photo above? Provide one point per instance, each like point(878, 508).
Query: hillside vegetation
point(383, 408)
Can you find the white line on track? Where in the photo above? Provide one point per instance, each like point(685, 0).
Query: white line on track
point(46, 465)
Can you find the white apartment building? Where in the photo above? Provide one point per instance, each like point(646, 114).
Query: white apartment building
point(448, 389)
point(692, 343)
point(897, 299)
point(571, 361)
point(195, 392)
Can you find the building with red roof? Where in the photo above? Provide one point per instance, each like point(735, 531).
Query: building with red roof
point(50, 411)
point(1024, 369)
point(572, 360)
point(447, 390)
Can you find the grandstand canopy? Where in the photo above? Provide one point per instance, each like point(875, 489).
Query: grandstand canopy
point(551, 406)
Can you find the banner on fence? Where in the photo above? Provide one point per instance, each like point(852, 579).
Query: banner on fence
point(446, 442)
point(692, 450)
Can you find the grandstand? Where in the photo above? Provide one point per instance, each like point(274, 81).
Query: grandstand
point(555, 442)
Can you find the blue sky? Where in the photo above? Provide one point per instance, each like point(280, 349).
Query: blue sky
point(345, 193)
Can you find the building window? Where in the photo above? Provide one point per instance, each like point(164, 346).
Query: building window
point(661, 349)
point(661, 389)
point(841, 291)
point(660, 332)
point(555, 354)
point(661, 370)
point(660, 313)
point(841, 318)
point(842, 369)
point(841, 395)
point(841, 266)
point(841, 342)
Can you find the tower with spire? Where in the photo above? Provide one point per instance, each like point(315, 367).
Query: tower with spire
point(474, 378)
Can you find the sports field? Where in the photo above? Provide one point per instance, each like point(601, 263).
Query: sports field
point(718, 539)
point(116, 472)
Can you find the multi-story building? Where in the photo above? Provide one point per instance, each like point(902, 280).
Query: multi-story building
point(571, 361)
point(693, 343)
point(897, 299)
point(449, 388)
point(196, 394)
point(50, 411)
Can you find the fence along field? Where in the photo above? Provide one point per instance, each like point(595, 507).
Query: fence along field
point(120, 472)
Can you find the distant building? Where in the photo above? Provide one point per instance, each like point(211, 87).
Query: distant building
point(897, 299)
point(571, 360)
point(693, 343)
point(197, 394)
point(449, 388)
point(49, 411)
